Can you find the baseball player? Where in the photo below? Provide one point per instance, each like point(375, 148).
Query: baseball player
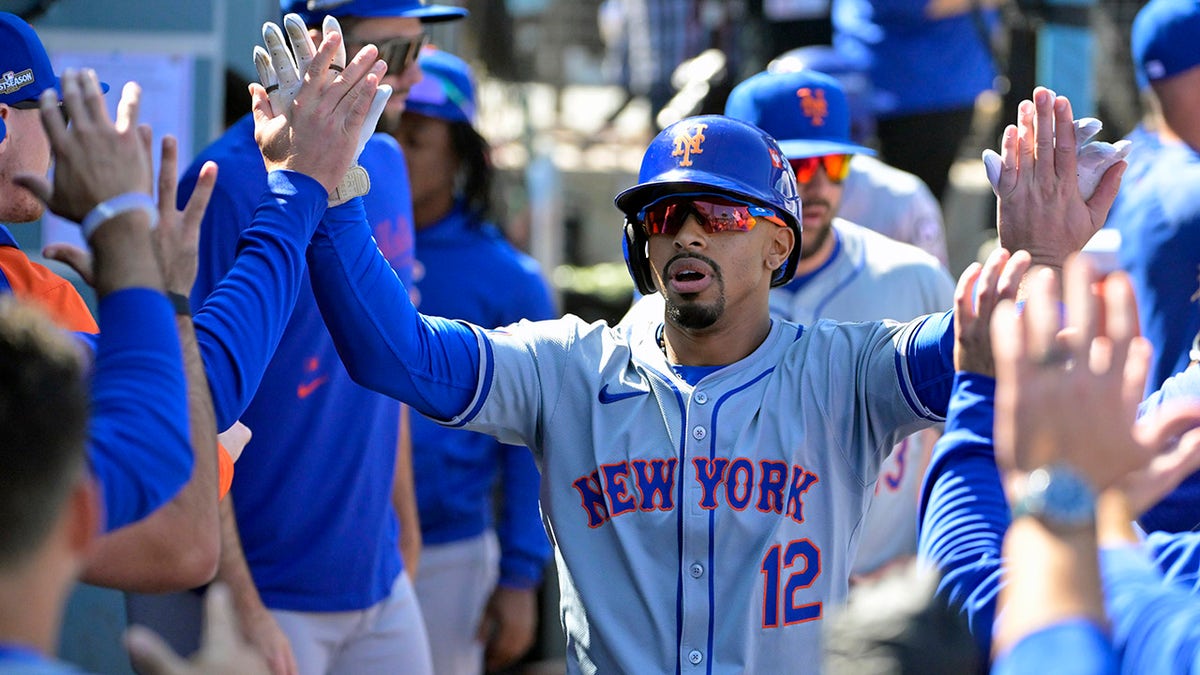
point(702, 476)
point(845, 272)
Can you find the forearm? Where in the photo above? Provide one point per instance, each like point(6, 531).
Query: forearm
point(139, 446)
point(177, 546)
point(963, 511)
point(404, 499)
point(232, 569)
point(1051, 577)
point(429, 363)
point(241, 320)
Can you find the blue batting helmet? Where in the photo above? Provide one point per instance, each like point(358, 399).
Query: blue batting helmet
point(715, 154)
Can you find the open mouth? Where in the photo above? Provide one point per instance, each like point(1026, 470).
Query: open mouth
point(689, 275)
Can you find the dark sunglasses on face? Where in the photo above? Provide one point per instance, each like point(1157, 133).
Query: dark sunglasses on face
point(837, 167)
point(33, 104)
point(714, 213)
point(398, 53)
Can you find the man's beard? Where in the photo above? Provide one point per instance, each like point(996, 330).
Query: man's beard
point(813, 239)
point(695, 316)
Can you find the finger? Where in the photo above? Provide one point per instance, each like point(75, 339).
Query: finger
point(1106, 191)
point(286, 74)
point(1065, 142)
point(1043, 317)
point(964, 296)
point(72, 98)
point(94, 96)
point(1008, 350)
point(128, 107)
point(167, 180)
point(1043, 132)
point(267, 76)
point(1010, 280)
point(220, 624)
point(360, 99)
point(1009, 153)
point(260, 104)
point(1168, 424)
point(331, 25)
point(1121, 322)
point(1137, 370)
point(146, 138)
point(197, 204)
point(302, 44)
point(1083, 313)
point(985, 289)
point(1025, 137)
point(150, 654)
point(52, 119)
point(365, 62)
point(37, 184)
point(319, 66)
point(74, 257)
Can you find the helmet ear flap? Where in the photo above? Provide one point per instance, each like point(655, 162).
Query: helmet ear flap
point(634, 242)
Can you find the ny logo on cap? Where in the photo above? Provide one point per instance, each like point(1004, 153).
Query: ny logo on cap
point(687, 144)
point(775, 159)
point(813, 105)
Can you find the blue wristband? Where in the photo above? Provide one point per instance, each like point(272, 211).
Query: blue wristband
point(106, 210)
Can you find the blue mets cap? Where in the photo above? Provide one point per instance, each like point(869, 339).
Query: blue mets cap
point(446, 90)
point(25, 70)
point(313, 11)
point(1165, 39)
point(806, 112)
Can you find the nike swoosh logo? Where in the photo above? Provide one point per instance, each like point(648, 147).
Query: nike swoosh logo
point(606, 397)
point(307, 388)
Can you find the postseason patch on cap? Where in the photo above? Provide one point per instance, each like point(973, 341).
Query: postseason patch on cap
point(12, 82)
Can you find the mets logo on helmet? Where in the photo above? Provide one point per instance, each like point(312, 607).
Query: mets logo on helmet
point(688, 142)
point(813, 105)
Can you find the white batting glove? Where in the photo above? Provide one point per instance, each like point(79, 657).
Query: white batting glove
point(282, 71)
point(1092, 158)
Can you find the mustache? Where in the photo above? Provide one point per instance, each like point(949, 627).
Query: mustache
point(694, 256)
point(817, 202)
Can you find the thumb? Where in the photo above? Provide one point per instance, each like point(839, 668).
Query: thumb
point(150, 654)
point(38, 185)
point(992, 164)
point(73, 257)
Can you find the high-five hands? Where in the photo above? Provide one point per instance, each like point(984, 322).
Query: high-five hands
point(1041, 207)
point(1092, 158)
point(306, 86)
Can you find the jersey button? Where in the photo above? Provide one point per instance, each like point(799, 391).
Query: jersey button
point(699, 433)
point(701, 397)
point(697, 570)
point(695, 657)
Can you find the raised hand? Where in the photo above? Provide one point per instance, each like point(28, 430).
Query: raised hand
point(1041, 208)
point(95, 158)
point(1092, 158)
point(332, 89)
point(980, 288)
point(1071, 397)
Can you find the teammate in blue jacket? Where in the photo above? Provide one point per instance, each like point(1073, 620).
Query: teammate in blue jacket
point(476, 598)
point(700, 524)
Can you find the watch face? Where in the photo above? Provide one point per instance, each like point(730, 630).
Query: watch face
point(1058, 495)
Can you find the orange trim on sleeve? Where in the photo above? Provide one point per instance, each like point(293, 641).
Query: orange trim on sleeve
point(224, 471)
point(37, 284)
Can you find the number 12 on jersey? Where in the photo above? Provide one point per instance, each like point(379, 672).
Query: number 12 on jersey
point(799, 553)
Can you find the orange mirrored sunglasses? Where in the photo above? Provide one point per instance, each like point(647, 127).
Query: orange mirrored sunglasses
point(714, 213)
point(837, 167)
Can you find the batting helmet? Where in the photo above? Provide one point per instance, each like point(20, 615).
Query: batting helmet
point(710, 154)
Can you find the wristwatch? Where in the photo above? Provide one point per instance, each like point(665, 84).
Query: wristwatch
point(1057, 496)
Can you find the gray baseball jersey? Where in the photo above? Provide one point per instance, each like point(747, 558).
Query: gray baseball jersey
point(895, 203)
point(870, 277)
point(699, 529)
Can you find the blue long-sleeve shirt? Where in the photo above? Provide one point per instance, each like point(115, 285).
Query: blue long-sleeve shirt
point(139, 449)
point(1151, 605)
